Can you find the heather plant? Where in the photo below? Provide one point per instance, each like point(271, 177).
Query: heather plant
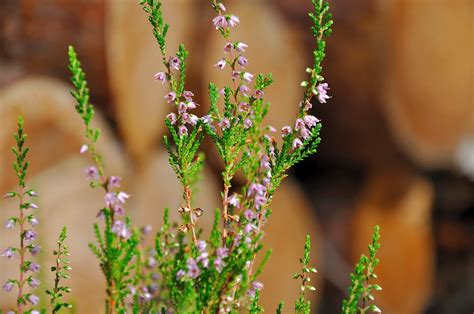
point(185, 272)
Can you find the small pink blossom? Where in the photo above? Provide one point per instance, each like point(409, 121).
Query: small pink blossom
point(221, 64)
point(299, 124)
point(234, 200)
point(323, 92)
point(114, 182)
point(206, 119)
point(170, 97)
point(193, 269)
point(92, 173)
point(286, 130)
point(8, 253)
point(175, 63)
point(84, 148)
point(171, 117)
point(228, 47)
point(182, 131)
point(247, 77)
point(221, 7)
point(250, 215)
point(310, 120)
point(122, 197)
point(192, 119)
point(188, 95)
point(297, 143)
point(191, 105)
point(120, 229)
point(160, 76)
point(244, 107)
point(222, 92)
point(247, 123)
point(305, 133)
point(244, 90)
point(224, 124)
point(240, 47)
point(233, 20)
point(242, 61)
point(258, 94)
point(235, 74)
point(10, 224)
point(220, 22)
point(182, 108)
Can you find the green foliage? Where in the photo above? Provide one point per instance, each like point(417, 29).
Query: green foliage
point(302, 305)
point(360, 291)
point(60, 270)
point(20, 165)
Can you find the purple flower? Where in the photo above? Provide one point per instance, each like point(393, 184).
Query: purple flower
point(286, 130)
point(8, 286)
point(206, 119)
point(146, 229)
point(192, 119)
point(299, 124)
point(118, 210)
point(242, 61)
point(174, 63)
point(9, 252)
point(193, 269)
point(122, 197)
point(240, 47)
point(260, 200)
point(250, 215)
point(182, 108)
point(224, 124)
point(180, 274)
point(256, 286)
point(310, 120)
point(201, 245)
point(219, 22)
point(218, 264)
point(33, 221)
point(182, 131)
point(228, 47)
point(10, 224)
point(203, 258)
point(233, 20)
point(297, 143)
point(305, 133)
point(244, 90)
point(221, 64)
point(307, 105)
point(243, 106)
point(32, 205)
point(153, 288)
point(92, 173)
point(258, 94)
point(247, 123)
point(222, 252)
point(151, 262)
point(221, 7)
point(188, 95)
point(120, 229)
point(249, 228)
point(84, 148)
point(222, 92)
point(114, 182)
point(235, 74)
point(234, 200)
point(30, 235)
point(170, 97)
point(323, 92)
point(247, 77)
point(265, 163)
point(33, 299)
point(171, 117)
point(33, 282)
point(160, 76)
point(34, 249)
point(34, 267)
point(256, 189)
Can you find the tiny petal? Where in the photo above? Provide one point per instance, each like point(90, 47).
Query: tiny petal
point(224, 124)
point(34, 267)
point(114, 182)
point(92, 173)
point(219, 22)
point(8, 286)
point(33, 299)
point(258, 94)
point(233, 20)
point(171, 117)
point(247, 123)
point(242, 61)
point(35, 249)
point(10, 224)
point(244, 90)
point(221, 64)
point(84, 148)
point(247, 77)
point(175, 63)
point(30, 235)
point(160, 76)
point(170, 97)
point(182, 131)
point(122, 197)
point(222, 7)
point(310, 120)
point(33, 221)
point(297, 143)
point(240, 47)
point(9, 252)
point(286, 130)
point(188, 95)
point(228, 47)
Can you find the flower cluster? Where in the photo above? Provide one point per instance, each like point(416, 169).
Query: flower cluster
point(25, 223)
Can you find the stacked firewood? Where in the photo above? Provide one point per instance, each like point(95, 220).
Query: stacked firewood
point(402, 87)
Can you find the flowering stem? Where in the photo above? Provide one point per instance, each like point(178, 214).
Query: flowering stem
point(188, 197)
point(22, 254)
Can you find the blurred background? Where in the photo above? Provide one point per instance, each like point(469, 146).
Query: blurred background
point(397, 143)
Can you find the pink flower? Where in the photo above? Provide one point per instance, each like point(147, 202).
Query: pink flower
point(233, 20)
point(305, 133)
point(297, 143)
point(219, 22)
point(193, 269)
point(242, 61)
point(9, 252)
point(228, 47)
point(171, 117)
point(201, 245)
point(10, 224)
point(30, 235)
point(33, 221)
point(180, 274)
point(221, 7)
point(222, 252)
point(221, 64)
point(218, 264)
point(182, 131)
point(250, 215)
point(170, 97)
point(191, 105)
point(244, 90)
point(247, 77)
point(250, 228)
point(299, 124)
point(235, 74)
point(182, 108)
point(114, 182)
point(247, 123)
point(34, 249)
point(234, 200)
point(188, 95)
point(92, 173)
point(286, 130)
point(206, 119)
point(310, 120)
point(256, 189)
point(244, 107)
point(265, 163)
point(33, 299)
point(122, 197)
point(240, 47)
point(174, 63)
point(160, 76)
point(120, 229)
point(8, 286)
point(224, 124)
point(323, 92)
point(259, 200)
point(222, 92)
point(84, 148)
point(258, 94)
point(192, 119)
point(256, 286)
